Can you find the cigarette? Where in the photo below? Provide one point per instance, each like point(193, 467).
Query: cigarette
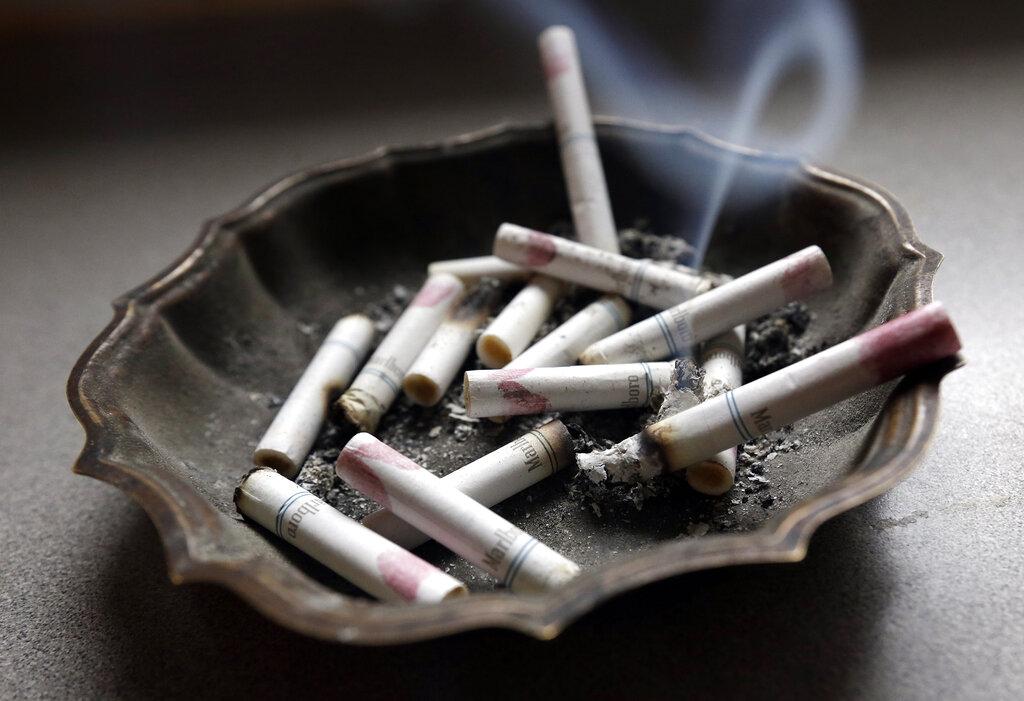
point(923, 336)
point(467, 527)
point(291, 434)
point(517, 324)
point(492, 479)
point(368, 560)
point(517, 391)
point(722, 360)
point(642, 281)
point(472, 269)
point(441, 359)
point(581, 160)
point(671, 333)
point(380, 380)
point(563, 346)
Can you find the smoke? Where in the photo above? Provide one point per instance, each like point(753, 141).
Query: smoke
point(753, 48)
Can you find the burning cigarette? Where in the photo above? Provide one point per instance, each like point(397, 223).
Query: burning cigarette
point(671, 333)
point(472, 269)
point(518, 560)
point(581, 160)
point(564, 345)
point(436, 366)
point(722, 360)
point(518, 391)
point(493, 478)
point(287, 441)
point(642, 281)
point(378, 383)
point(368, 560)
point(517, 324)
point(922, 336)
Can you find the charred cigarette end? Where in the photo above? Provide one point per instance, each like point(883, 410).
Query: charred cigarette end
point(421, 389)
point(275, 460)
point(711, 477)
point(360, 409)
point(920, 337)
point(493, 352)
point(635, 459)
point(808, 272)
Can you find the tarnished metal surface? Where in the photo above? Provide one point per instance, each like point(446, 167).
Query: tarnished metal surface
point(169, 393)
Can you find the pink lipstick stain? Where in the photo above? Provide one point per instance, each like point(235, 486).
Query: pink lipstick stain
point(540, 249)
point(433, 293)
point(403, 572)
point(555, 64)
point(922, 336)
point(518, 398)
point(805, 276)
point(362, 477)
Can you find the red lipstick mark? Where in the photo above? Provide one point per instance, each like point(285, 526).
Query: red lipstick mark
point(433, 293)
point(518, 398)
point(555, 64)
point(923, 336)
point(403, 572)
point(375, 450)
point(540, 249)
point(360, 476)
point(806, 275)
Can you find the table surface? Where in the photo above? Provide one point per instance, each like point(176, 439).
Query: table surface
point(917, 594)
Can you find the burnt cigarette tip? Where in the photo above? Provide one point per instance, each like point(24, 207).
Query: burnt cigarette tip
point(710, 477)
point(275, 460)
point(421, 389)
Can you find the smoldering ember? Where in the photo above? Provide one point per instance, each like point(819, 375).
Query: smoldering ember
point(596, 377)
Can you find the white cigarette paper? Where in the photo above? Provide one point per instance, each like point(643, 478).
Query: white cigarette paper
point(291, 434)
point(722, 361)
point(564, 345)
point(518, 560)
point(671, 333)
point(642, 281)
point(472, 269)
point(517, 324)
point(516, 391)
point(581, 160)
point(371, 562)
point(923, 336)
point(493, 478)
point(441, 359)
point(380, 380)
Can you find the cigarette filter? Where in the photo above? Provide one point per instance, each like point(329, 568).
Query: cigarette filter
point(581, 160)
point(380, 380)
point(493, 478)
point(472, 269)
point(437, 364)
point(509, 392)
point(671, 333)
point(366, 559)
point(922, 336)
point(642, 281)
point(517, 324)
point(722, 360)
point(564, 345)
point(518, 560)
point(291, 434)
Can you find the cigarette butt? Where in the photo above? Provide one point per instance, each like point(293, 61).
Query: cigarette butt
point(380, 380)
point(441, 359)
point(472, 269)
point(564, 345)
point(517, 391)
point(642, 281)
point(923, 336)
point(671, 333)
point(291, 434)
point(518, 560)
point(513, 329)
point(722, 360)
point(374, 564)
point(581, 160)
point(493, 478)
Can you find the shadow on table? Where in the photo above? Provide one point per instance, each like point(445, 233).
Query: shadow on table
point(761, 630)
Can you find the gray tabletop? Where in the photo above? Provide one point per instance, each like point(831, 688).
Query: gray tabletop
point(917, 594)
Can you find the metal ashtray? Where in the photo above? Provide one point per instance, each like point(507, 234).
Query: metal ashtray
point(170, 392)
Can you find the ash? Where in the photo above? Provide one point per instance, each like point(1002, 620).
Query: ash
point(640, 242)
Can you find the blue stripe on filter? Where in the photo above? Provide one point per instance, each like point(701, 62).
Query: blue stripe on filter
point(638, 278)
point(574, 137)
point(737, 418)
point(613, 311)
point(344, 344)
point(650, 381)
point(518, 560)
point(387, 380)
point(671, 342)
point(284, 507)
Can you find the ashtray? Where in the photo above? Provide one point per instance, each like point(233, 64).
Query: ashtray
point(173, 394)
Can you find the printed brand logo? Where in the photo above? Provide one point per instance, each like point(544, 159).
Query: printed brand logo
point(496, 555)
point(633, 393)
point(762, 420)
point(308, 508)
point(530, 454)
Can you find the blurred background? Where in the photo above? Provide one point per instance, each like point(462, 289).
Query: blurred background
point(126, 123)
